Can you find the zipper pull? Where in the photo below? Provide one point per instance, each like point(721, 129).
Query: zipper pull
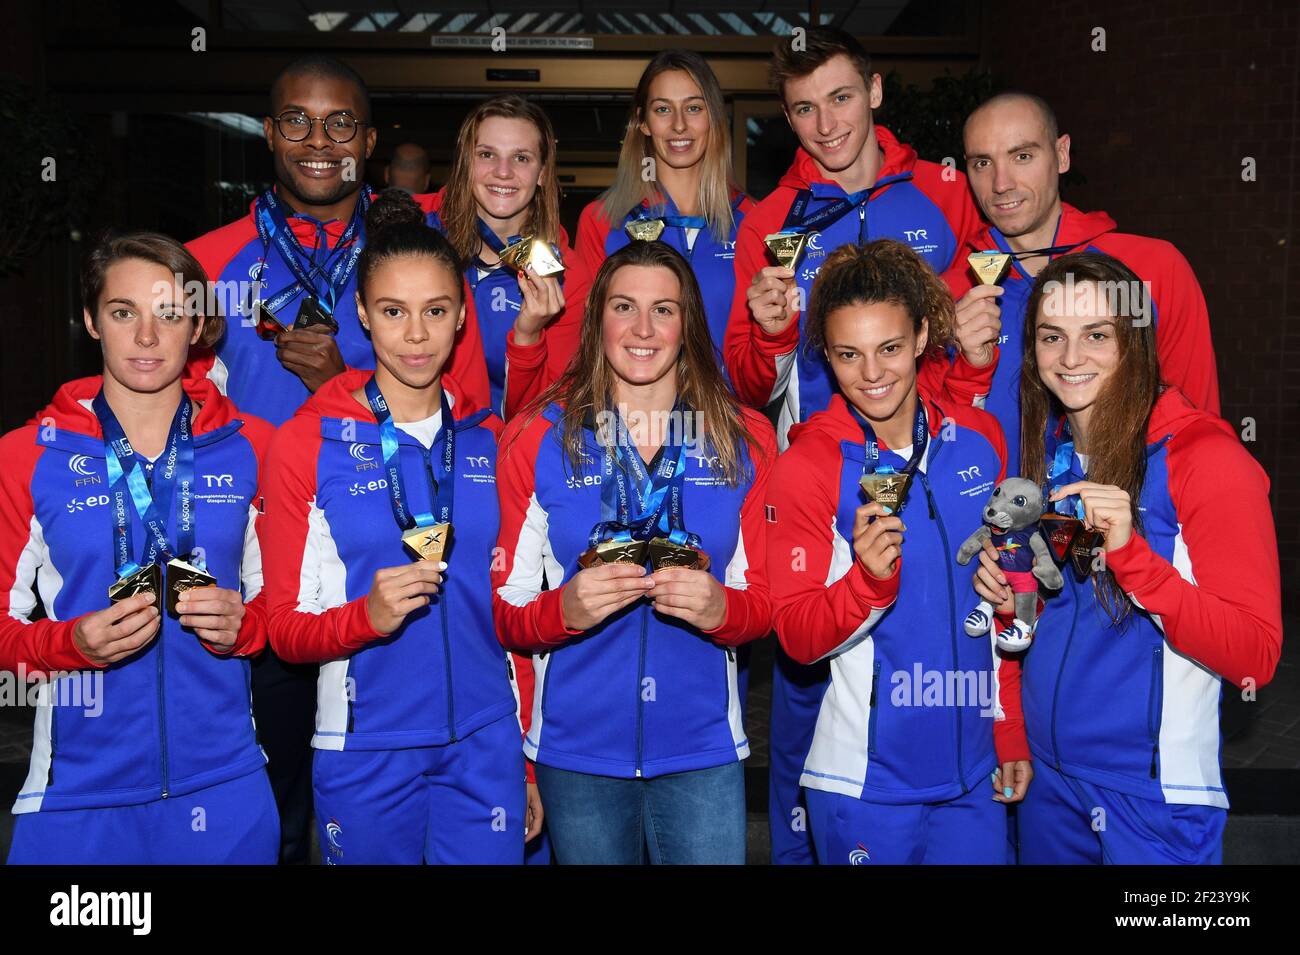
point(510, 667)
point(1154, 750)
point(731, 654)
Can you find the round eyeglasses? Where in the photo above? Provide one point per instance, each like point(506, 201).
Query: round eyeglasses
point(295, 125)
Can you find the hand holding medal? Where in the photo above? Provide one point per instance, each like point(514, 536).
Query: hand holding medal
point(115, 633)
point(1107, 513)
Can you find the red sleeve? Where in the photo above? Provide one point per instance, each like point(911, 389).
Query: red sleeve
point(303, 629)
point(531, 369)
point(527, 617)
point(750, 353)
point(46, 645)
point(468, 365)
point(948, 189)
point(749, 600)
point(1183, 341)
point(814, 618)
point(1009, 737)
point(252, 635)
point(956, 379)
point(1225, 609)
point(523, 679)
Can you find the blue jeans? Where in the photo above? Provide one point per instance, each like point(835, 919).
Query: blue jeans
point(691, 818)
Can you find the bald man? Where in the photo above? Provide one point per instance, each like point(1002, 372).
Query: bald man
point(1015, 155)
point(409, 168)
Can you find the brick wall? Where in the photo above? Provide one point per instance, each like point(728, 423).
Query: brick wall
point(1160, 123)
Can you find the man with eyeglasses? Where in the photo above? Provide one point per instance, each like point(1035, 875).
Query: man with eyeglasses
point(286, 280)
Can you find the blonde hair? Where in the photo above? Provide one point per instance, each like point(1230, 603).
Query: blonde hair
point(459, 208)
point(630, 189)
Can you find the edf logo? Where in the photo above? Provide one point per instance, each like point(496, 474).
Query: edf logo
point(913, 235)
point(219, 480)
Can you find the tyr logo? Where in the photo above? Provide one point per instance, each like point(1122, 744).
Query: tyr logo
point(477, 461)
point(705, 461)
point(219, 480)
point(915, 234)
point(968, 473)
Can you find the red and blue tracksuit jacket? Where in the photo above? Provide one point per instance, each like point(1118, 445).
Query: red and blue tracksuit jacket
point(329, 526)
point(1135, 707)
point(639, 695)
point(917, 202)
point(916, 711)
point(497, 301)
point(245, 367)
point(539, 365)
point(1178, 311)
point(176, 716)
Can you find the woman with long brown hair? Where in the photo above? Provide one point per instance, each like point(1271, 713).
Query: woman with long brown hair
point(638, 454)
point(673, 184)
point(503, 191)
point(1174, 591)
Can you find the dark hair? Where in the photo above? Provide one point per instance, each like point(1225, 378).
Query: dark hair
point(1044, 109)
point(1117, 439)
point(114, 247)
point(587, 386)
point(395, 227)
point(820, 45)
point(884, 270)
point(317, 64)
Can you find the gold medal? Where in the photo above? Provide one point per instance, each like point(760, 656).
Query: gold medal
point(644, 230)
point(989, 267)
point(146, 580)
point(614, 552)
point(529, 251)
point(888, 488)
point(183, 576)
point(428, 543)
point(665, 553)
point(786, 247)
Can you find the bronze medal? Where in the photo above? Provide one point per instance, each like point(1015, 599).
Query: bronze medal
point(989, 267)
point(183, 576)
point(665, 553)
point(888, 488)
point(145, 580)
point(614, 552)
point(644, 230)
point(786, 247)
point(428, 543)
point(1081, 550)
point(268, 327)
point(1060, 531)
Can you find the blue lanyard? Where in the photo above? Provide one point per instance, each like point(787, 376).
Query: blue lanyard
point(1063, 464)
point(871, 446)
point(444, 483)
point(798, 219)
point(126, 477)
point(273, 227)
point(658, 497)
point(670, 220)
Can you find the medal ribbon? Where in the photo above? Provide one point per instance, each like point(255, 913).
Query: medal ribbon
point(658, 497)
point(444, 484)
point(871, 446)
point(1063, 464)
point(273, 228)
point(798, 219)
point(126, 477)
